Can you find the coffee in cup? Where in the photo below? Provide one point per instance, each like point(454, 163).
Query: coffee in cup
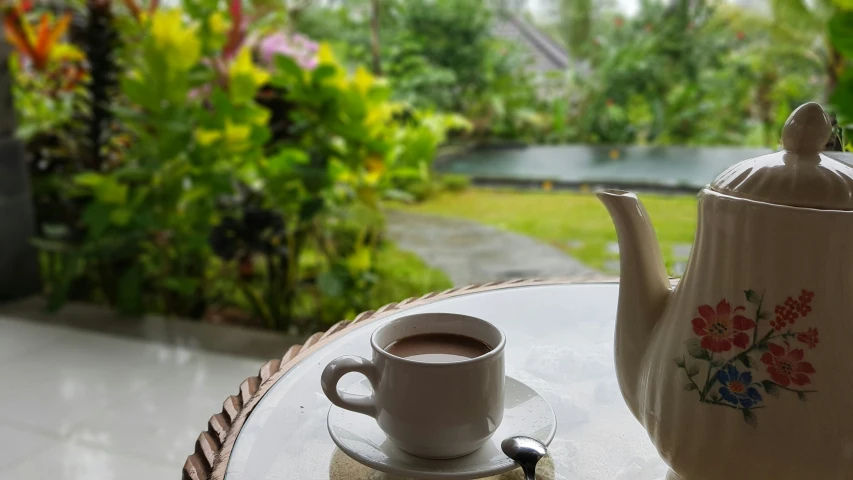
point(438, 383)
point(438, 347)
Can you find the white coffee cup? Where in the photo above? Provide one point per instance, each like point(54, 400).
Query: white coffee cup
point(431, 410)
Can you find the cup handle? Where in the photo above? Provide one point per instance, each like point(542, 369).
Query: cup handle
point(339, 367)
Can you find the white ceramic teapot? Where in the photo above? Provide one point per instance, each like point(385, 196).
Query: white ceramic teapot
point(744, 371)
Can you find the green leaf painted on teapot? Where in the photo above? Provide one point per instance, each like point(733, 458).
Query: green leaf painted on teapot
point(696, 351)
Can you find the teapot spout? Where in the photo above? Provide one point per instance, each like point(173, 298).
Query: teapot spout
point(643, 288)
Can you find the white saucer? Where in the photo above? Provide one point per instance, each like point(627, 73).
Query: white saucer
point(525, 413)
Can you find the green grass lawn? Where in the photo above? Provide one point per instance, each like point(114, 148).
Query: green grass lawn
point(575, 222)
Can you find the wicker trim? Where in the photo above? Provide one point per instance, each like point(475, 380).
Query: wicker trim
point(213, 447)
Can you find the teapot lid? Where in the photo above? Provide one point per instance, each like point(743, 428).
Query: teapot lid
point(799, 175)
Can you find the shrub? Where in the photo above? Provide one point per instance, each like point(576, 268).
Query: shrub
point(220, 181)
point(455, 183)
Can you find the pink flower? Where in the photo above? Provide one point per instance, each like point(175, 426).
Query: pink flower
point(298, 47)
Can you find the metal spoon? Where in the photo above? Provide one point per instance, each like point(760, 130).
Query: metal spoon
point(526, 452)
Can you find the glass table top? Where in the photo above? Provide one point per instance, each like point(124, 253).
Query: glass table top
point(559, 341)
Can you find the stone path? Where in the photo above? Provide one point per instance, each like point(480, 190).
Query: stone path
point(469, 252)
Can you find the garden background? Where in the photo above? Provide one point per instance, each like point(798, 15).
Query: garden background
point(235, 161)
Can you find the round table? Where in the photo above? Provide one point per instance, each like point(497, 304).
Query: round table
point(559, 341)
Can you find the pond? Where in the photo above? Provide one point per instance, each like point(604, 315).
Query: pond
point(668, 168)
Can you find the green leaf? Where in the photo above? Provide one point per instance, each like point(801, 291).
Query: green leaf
point(183, 285)
point(802, 396)
point(750, 417)
point(690, 387)
point(242, 89)
point(310, 208)
point(770, 388)
point(360, 261)
point(120, 216)
point(751, 296)
point(841, 32)
point(330, 284)
point(287, 66)
point(679, 361)
point(745, 360)
point(696, 351)
point(796, 14)
point(843, 4)
point(111, 192)
point(133, 174)
point(67, 274)
point(716, 363)
point(130, 291)
point(137, 90)
point(715, 398)
point(842, 97)
point(323, 72)
point(692, 370)
point(89, 179)
point(97, 217)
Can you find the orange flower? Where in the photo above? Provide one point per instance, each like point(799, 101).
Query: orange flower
point(35, 46)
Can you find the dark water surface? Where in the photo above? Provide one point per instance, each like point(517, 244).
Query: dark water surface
point(682, 168)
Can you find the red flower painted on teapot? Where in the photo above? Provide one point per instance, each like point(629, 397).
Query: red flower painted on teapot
point(785, 365)
point(719, 330)
point(742, 383)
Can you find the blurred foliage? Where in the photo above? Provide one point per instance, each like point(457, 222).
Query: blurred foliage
point(840, 41)
point(211, 156)
point(204, 180)
point(575, 25)
point(694, 72)
point(440, 55)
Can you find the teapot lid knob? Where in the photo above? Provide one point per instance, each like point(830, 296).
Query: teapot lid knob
point(807, 130)
point(799, 176)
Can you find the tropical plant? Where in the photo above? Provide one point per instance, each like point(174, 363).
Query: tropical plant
point(576, 23)
point(437, 55)
point(690, 73)
point(204, 179)
point(841, 38)
point(149, 216)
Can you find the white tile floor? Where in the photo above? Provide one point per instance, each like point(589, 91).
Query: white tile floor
point(79, 405)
